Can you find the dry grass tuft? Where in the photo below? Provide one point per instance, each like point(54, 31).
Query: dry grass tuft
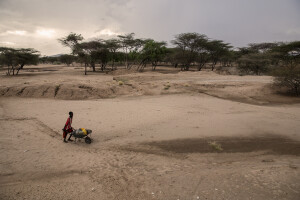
point(167, 86)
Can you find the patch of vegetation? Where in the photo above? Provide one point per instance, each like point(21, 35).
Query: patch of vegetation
point(167, 86)
point(216, 146)
point(16, 59)
point(287, 73)
point(289, 78)
point(121, 81)
point(254, 63)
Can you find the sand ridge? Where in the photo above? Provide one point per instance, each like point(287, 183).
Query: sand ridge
point(60, 82)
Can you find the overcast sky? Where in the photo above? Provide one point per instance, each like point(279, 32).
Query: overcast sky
point(39, 23)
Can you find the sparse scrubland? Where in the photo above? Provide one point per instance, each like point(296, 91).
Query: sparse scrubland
point(190, 51)
point(201, 120)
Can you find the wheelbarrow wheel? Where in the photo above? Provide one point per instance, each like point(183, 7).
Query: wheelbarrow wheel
point(88, 140)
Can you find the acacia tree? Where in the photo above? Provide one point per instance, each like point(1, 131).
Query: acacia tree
point(171, 56)
point(187, 43)
point(16, 59)
point(254, 63)
point(73, 41)
point(262, 47)
point(135, 52)
point(228, 58)
point(288, 71)
point(85, 59)
point(97, 51)
point(202, 45)
point(217, 49)
point(113, 45)
point(152, 52)
point(127, 42)
point(256, 58)
point(101, 56)
point(90, 49)
point(67, 59)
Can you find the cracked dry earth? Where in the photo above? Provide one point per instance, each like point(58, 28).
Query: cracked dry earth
point(149, 148)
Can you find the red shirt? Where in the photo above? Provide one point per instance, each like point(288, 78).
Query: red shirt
point(68, 124)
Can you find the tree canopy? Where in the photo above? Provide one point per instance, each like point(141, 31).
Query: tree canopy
point(16, 59)
point(152, 52)
point(288, 71)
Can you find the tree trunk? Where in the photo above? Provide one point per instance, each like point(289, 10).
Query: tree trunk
point(21, 67)
point(181, 67)
point(113, 59)
point(154, 64)
point(85, 65)
point(153, 67)
point(296, 89)
point(113, 64)
point(143, 67)
point(213, 65)
point(143, 64)
point(187, 67)
point(126, 59)
point(257, 70)
point(8, 71)
point(93, 66)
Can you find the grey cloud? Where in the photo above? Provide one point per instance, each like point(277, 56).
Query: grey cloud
point(238, 22)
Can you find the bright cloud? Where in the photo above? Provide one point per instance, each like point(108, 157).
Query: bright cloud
point(8, 43)
point(17, 32)
point(107, 32)
point(46, 33)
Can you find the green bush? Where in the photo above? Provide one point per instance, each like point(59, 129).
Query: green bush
point(288, 77)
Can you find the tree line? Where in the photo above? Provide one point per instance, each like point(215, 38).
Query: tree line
point(280, 59)
point(189, 49)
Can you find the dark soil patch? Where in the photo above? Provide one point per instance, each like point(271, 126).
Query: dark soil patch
point(56, 90)
point(272, 144)
point(49, 70)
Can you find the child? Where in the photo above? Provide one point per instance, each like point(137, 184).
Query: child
point(68, 128)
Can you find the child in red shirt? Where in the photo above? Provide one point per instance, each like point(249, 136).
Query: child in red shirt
point(68, 127)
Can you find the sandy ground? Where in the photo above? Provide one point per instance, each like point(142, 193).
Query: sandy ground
point(68, 83)
point(149, 142)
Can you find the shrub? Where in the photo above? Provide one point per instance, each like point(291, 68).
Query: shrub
point(288, 77)
point(167, 86)
point(256, 63)
point(287, 55)
point(216, 146)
